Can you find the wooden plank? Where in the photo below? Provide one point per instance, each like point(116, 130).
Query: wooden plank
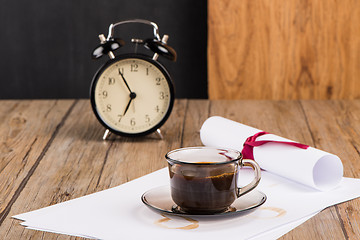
point(27, 128)
point(335, 126)
point(197, 112)
point(261, 49)
point(79, 162)
point(283, 118)
point(142, 156)
point(286, 119)
point(325, 225)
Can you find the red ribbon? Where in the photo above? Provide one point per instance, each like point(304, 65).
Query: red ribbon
point(251, 142)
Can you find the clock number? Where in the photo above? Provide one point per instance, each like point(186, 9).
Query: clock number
point(158, 81)
point(108, 107)
point(111, 81)
point(134, 67)
point(104, 94)
point(157, 109)
point(147, 118)
point(121, 71)
point(120, 116)
point(147, 71)
point(132, 122)
point(162, 95)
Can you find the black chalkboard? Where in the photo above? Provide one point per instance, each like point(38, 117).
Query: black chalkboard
point(46, 45)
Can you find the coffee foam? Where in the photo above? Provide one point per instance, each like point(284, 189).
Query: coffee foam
point(201, 156)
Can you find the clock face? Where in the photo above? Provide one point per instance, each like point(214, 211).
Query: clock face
point(132, 95)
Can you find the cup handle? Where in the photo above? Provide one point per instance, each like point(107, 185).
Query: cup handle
point(254, 182)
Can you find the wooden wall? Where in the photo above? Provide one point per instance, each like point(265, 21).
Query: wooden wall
point(284, 49)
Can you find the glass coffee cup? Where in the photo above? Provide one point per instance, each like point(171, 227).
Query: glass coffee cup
point(203, 180)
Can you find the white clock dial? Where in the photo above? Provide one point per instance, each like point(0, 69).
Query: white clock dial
point(133, 95)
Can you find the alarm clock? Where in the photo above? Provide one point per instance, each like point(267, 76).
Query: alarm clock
point(132, 94)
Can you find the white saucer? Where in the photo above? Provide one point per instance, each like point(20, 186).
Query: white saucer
point(159, 199)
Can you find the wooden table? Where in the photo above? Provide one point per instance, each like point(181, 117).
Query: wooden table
point(52, 151)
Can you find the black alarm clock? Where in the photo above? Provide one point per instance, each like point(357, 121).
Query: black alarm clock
point(132, 94)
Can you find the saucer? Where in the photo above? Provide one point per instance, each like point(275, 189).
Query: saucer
point(159, 199)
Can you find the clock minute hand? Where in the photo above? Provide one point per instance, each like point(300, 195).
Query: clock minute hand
point(127, 85)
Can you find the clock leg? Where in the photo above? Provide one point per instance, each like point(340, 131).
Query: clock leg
point(107, 133)
point(158, 132)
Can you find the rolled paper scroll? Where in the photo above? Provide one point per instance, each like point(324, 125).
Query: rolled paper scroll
point(312, 167)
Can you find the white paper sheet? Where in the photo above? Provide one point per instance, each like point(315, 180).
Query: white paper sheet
point(312, 167)
point(118, 213)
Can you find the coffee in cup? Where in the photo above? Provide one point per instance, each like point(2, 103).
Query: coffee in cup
point(203, 180)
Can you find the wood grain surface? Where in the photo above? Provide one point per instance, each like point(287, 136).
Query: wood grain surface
point(274, 49)
point(52, 151)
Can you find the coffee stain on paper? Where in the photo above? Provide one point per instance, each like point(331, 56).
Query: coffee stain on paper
point(163, 222)
point(279, 212)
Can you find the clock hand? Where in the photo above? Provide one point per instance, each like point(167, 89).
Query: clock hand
point(132, 96)
point(127, 85)
point(127, 106)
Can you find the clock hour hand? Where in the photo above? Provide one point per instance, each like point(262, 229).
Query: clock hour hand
point(127, 107)
point(132, 96)
point(127, 85)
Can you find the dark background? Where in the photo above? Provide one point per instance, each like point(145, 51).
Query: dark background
point(46, 45)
